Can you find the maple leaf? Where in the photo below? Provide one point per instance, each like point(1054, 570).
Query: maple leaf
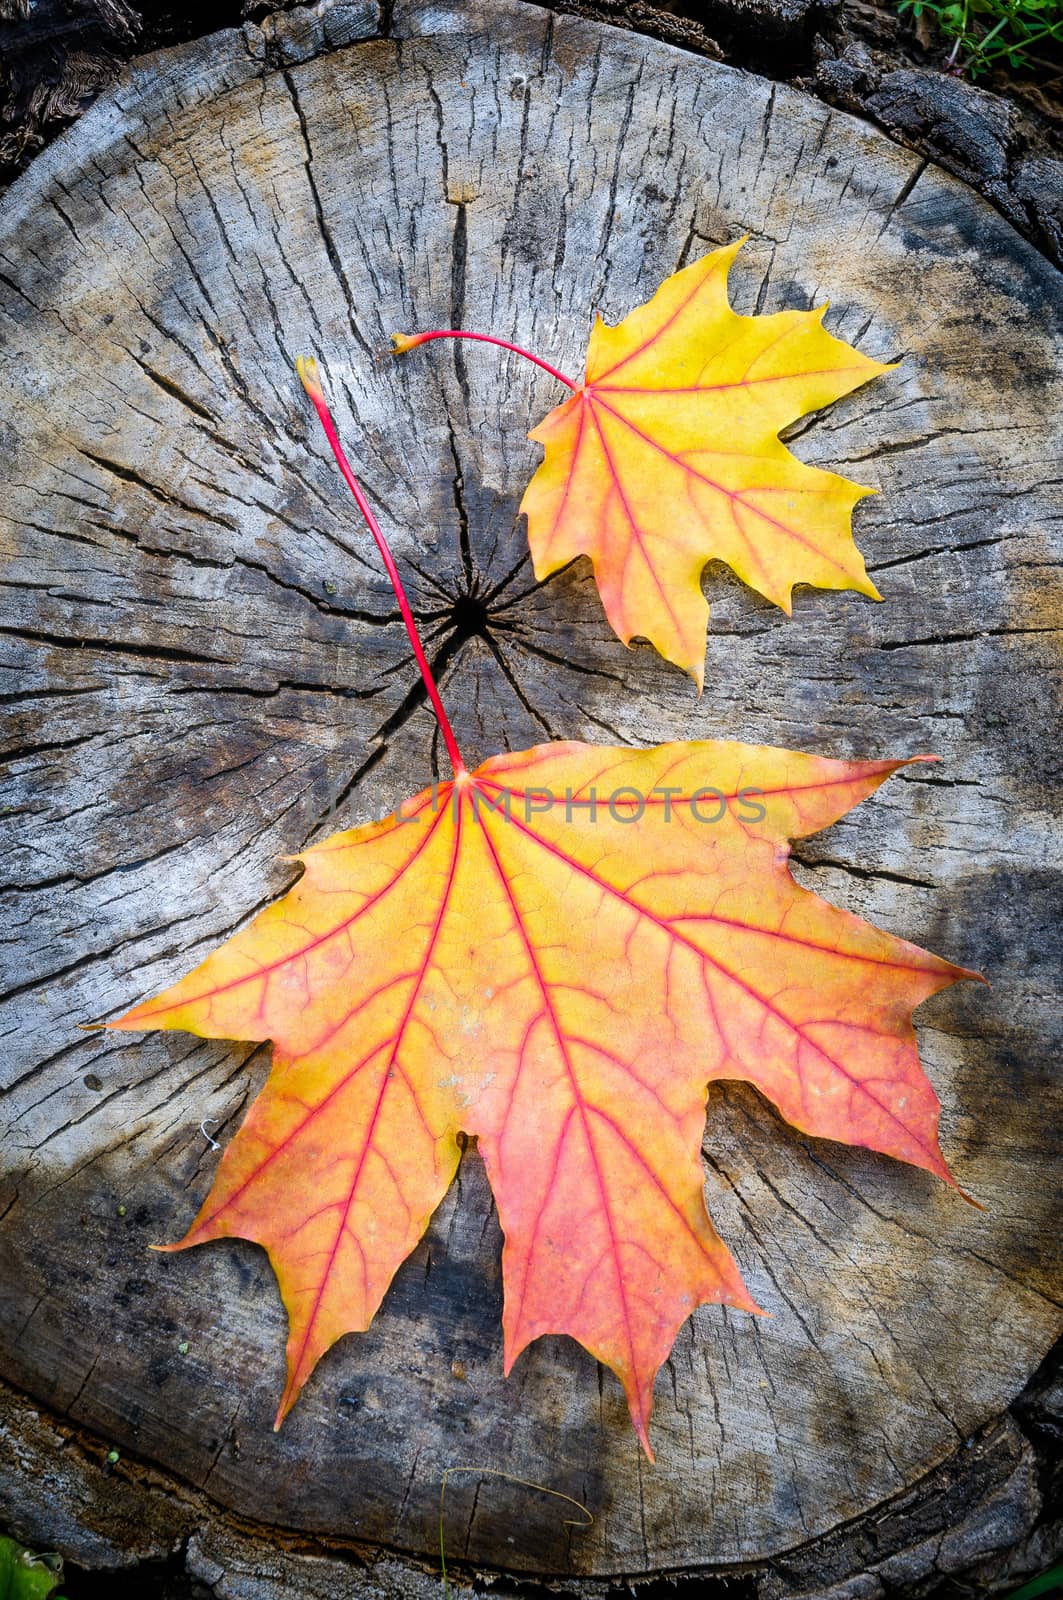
point(556, 953)
point(668, 456)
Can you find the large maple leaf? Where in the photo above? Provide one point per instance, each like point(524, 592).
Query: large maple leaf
point(556, 953)
point(668, 456)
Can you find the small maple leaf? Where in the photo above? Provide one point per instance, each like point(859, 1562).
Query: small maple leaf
point(556, 953)
point(668, 456)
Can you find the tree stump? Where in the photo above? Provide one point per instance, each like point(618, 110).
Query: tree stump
point(203, 668)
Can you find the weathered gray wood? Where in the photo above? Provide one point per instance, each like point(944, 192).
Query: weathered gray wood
point(59, 1486)
point(200, 655)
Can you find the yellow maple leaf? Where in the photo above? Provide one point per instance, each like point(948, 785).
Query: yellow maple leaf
point(668, 456)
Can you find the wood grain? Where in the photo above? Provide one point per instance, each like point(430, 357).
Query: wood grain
point(202, 668)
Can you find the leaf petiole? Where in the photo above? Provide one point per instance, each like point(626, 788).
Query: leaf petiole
point(401, 342)
point(306, 367)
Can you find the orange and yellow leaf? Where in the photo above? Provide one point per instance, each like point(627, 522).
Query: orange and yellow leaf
point(668, 456)
point(556, 953)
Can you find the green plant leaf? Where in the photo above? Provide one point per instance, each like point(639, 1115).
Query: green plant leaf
point(26, 1576)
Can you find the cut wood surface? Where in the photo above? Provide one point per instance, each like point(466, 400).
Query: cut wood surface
point(203, 668)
